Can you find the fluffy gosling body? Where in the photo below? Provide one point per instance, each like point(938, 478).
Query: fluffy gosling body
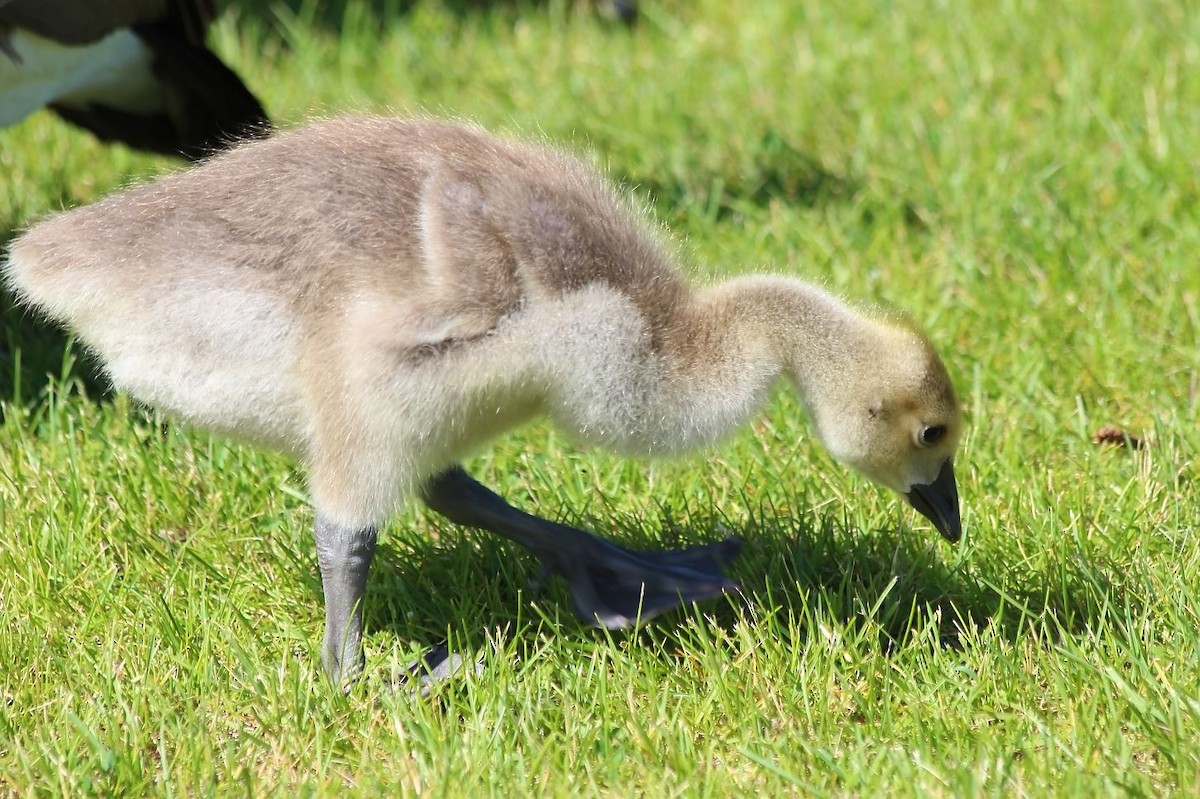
point(380, 296)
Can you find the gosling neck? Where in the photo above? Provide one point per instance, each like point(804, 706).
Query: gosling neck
point(806, 333)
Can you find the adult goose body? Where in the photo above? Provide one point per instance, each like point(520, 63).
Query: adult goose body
point(134, 71)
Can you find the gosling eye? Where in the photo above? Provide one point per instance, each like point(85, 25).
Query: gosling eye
point(931, 435)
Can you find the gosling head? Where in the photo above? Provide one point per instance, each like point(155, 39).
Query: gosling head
point(891, 414)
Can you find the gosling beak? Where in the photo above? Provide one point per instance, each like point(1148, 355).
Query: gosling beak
point(938, 502)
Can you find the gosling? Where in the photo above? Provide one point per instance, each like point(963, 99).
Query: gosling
point(381, 296)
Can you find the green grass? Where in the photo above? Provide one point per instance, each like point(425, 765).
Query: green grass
point(1020, 177)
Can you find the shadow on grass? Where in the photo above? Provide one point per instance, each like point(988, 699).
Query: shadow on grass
point(34, 353)
point(331, 15)
point(892, 580)
point(774, 170)
point(778, 172)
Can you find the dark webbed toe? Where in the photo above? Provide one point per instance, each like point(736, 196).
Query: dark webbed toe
point(436, 666)
point(616, 588)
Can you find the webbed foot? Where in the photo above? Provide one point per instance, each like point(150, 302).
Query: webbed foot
point(611, 587)
point(617, 588)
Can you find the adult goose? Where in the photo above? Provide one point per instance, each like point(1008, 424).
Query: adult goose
point(135, 71)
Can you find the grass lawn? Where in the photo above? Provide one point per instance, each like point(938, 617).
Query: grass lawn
point(1020, 177)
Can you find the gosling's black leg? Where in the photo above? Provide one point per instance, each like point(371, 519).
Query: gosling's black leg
point(344, 556)
point(611, 587)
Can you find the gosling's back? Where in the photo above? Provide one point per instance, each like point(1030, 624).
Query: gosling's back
point(213, 292)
